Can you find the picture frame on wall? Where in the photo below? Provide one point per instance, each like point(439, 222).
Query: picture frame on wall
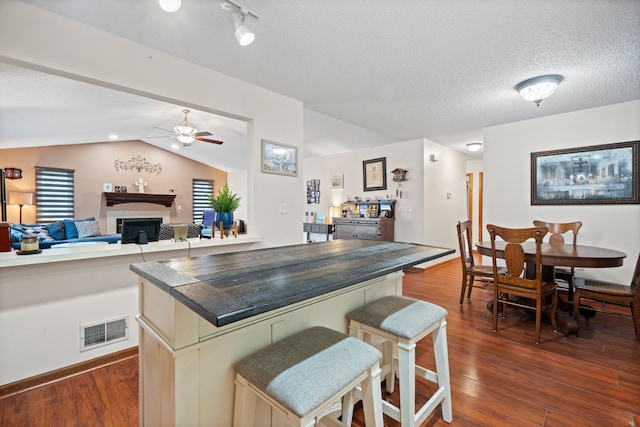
point(374, 174)
point(598, 174)
point(337, 181)
point(279, 159)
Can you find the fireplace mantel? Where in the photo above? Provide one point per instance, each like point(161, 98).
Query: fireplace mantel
point(159, 199)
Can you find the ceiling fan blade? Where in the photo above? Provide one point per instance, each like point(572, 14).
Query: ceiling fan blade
point(213, 141)
point(205, 133)
point(166, 130)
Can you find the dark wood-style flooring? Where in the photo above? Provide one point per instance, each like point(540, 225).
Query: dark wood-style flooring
point(497, 379)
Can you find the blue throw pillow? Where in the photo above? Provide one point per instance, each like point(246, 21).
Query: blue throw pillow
point(57, 230)
point(70, 227)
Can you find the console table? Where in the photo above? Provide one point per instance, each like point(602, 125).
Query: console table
point(198, 316)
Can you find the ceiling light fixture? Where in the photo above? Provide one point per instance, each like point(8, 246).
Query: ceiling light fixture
point(184, 130)
point(243, 33)
point(474, 146)
point(170, 5)
point(538, 88)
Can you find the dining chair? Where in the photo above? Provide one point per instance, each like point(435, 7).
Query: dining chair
point(513, 282)
point(612, 293)
point(557, 231)
point(469, 268)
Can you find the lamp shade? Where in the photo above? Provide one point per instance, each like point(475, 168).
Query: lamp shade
point(538, 88)
point(18, 198)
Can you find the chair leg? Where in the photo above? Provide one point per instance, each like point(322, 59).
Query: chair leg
point(576, 309)
point(464, 287)
point(441, 353)
point(554, 310)
point(372, 398)
point(496, 302)
point(407, 368)
point(538, 317)
point(471, 280)
point(635, 314)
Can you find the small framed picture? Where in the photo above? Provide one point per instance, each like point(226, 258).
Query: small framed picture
point(107, 187)
point(337, 181)
point(279, 158)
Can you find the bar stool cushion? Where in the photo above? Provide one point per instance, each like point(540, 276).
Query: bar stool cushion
point(305, 369)
point(398, 315)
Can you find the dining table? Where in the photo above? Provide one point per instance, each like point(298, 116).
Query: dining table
point(566, 255)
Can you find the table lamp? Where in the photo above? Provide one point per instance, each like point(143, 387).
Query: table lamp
point(20, 199)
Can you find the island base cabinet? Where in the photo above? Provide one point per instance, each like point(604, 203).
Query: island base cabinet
point(193, 384)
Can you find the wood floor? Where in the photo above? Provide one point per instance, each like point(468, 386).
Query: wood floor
point(497, 379)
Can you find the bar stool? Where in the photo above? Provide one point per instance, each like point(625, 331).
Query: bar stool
point(305, 375)
point(401, 322)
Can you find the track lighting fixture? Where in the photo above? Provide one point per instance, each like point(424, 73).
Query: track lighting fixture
point(243, 33)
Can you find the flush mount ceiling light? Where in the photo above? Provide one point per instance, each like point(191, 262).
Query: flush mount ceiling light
point(243, 33)
point(170, 5)
point(474, 146)
point(538, 88)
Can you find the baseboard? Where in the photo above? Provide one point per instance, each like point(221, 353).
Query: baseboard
point(67, 371)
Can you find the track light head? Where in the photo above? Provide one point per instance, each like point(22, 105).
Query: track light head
point(243, 34)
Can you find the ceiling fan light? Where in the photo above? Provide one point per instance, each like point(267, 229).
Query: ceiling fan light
point(170, 5)
point(185, 139)
point(474, 146)
point(242, 32)
point(537, 89)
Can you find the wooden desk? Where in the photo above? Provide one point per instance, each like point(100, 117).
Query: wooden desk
point(198, 316)
point(561, 256)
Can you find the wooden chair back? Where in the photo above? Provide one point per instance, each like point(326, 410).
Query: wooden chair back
point(514, 257)
point(465, 241)
point(557, 230)
point(635, 282)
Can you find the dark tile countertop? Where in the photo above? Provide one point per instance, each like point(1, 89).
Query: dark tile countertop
point(225, 288)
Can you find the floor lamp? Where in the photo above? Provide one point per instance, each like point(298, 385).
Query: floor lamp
point(20, 199)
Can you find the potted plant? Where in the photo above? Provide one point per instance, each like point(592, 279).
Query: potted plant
point(225, 204)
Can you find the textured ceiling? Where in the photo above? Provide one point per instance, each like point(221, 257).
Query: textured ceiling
point(403, 69)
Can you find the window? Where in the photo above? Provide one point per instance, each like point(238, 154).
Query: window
point(202, 189)
point(54, 194)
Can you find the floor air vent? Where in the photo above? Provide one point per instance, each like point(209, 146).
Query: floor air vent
point(97, 334)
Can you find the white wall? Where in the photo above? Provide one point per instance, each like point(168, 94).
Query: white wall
point(34, 38)
point(507, 150)
point(424, 214)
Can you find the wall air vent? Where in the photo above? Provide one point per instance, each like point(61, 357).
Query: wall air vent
point(98, 334)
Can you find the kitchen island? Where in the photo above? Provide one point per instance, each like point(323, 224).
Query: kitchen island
point(200, 315)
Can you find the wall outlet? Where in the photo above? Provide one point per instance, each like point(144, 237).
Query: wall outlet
point(408, 208)
point(284, 208)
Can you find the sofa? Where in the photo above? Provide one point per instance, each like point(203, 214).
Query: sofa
point(65, 231)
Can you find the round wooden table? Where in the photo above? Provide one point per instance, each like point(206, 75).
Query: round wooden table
point(567, 255)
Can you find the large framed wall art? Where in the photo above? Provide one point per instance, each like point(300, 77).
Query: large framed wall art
point(598, 174)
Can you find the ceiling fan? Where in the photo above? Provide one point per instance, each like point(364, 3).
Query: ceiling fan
point(186, 133)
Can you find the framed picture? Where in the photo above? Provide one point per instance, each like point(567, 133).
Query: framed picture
point(597, 174)
point(279, 158)
point(337, 181)
point(374, 174)
point(107, 187)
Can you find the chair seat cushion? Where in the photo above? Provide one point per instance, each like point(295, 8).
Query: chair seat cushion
point(303, 370)
point(401, 316)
